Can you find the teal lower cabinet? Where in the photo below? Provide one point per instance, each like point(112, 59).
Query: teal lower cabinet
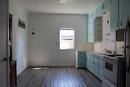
point(100, 70)
point(100, 67)
point(81, 59)
point(91, 64)
point(95, 64)
point(89, 61)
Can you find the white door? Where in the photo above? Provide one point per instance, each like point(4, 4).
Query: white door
point(3, 43)
point(20, 51)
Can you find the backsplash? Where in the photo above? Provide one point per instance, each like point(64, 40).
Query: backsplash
point(89, 46)
point(109, 45)
point(100, 47)
point(119, 47)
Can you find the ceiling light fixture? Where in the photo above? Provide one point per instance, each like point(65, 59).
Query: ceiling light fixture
point(62, 1)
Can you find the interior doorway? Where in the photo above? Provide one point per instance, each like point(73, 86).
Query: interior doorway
point(12, 62)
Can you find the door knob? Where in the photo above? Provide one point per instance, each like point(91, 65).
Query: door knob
point(4, 59)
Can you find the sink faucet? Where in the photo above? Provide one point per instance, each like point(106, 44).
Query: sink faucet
point(108, 51)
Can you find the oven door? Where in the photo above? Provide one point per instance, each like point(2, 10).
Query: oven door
point(110, 69)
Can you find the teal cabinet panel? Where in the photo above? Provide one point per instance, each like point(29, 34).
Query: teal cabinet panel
point(89, 60)
point(114, 15)
point(90, 28)
point(107, 4)
point(128, 8)
point(119, 13)
point(100, 75)
point(123, 13)
point(95, 12)
point(81, 59)
point(91, 64)
point(98, 10)
point(101, 8)
point(95, 64)
point(100, 72)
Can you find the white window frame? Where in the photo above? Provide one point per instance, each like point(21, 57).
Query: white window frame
point(65, 28)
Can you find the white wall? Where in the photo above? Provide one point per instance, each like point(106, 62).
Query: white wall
point(20, 36)
point(43, 50)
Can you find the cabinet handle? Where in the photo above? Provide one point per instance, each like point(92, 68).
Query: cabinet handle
point(117, 24)
point(121, 23)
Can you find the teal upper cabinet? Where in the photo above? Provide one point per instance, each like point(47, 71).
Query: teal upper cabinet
point(114, 14)
point(128, 8)
point(99, 9)
point(123, 12)
point(119, 13)
point(90, 28)
point(107, 4)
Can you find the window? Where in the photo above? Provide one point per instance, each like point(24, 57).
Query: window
point(67, 36)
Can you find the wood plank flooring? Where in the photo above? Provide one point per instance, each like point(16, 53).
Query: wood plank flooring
point(57, 77)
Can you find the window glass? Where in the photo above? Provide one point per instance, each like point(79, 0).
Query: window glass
point(67, 38)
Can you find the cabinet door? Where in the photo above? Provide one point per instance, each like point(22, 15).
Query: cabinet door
point(107, 4)
point(88, 62)
point(100, 70)
point(95, 65)
point(81, 59)
point(91, 63)
point(90, 29)
point(123, 13)
point(128, 8)
point(99, 9)
point(114, 15)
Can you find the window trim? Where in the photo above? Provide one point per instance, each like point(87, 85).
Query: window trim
point(67, 28)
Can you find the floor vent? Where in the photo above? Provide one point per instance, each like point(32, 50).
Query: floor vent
point(40, 68)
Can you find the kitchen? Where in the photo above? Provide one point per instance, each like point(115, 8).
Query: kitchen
point(107, 47)
point(66, 43)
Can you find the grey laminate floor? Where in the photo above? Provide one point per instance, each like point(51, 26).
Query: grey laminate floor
point(57, 77)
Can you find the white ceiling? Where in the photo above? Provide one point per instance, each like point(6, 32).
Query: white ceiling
point(54, 6)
